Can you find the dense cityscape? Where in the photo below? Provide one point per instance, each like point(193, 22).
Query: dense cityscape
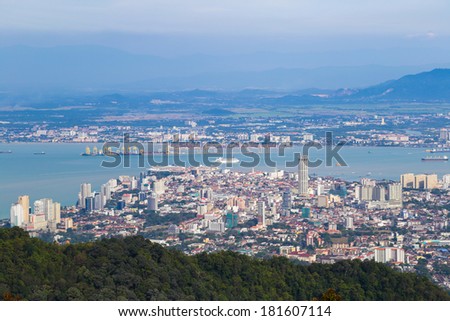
point(294, 214)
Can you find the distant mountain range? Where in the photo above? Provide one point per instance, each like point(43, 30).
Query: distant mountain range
point(33, 75)
point(101, 68)
point(431, 86)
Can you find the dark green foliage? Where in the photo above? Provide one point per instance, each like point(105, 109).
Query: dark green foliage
point(329, 295)
point(133, 268)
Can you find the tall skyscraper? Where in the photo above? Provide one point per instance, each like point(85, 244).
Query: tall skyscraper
point(431, 181)
point(286, 204)
point(303, 178)
point(379, 193)
point(16, 215)
point(85, 191)
point(54, 217)
point(98, 201)
point(105, 194)
point(24, 200)
point(44, 207)
point(153, 202)
point(366, 193)
point(57, 212)
point(262, 213)
point(446, 181)
point(395, 192)
point(89, 204)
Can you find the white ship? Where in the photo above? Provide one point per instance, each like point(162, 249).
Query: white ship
point(223, 160)
point(435, 158)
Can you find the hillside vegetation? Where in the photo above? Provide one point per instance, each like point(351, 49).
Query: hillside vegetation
point(133, 268)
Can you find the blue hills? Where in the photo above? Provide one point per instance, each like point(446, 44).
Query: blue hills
point(426, 86)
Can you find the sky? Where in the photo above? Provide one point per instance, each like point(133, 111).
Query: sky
point(178, 27)
point(224, 44)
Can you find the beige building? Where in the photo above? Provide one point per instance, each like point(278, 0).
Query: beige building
point(420, 181)
point(24, 200)
point(323, 201)
point(431, 181)
point(407, 180)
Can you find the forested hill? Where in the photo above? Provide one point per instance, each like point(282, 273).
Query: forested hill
point(136, 269)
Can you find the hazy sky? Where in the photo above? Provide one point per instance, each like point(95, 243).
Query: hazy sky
point(234, 26)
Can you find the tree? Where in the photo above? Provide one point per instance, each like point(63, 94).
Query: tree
point(329, 295)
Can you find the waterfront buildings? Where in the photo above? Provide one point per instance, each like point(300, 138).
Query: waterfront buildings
point(419, 181)
point(45, 216)
point(85, 191)
point(16, 215)
point(24, 200)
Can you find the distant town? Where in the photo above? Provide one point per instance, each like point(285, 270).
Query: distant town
point(367, 129)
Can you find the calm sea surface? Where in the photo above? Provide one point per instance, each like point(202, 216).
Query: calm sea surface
point(59, 173)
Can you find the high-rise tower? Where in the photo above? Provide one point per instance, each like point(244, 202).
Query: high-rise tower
point(16, 215)
point(262, 213)
point(153, 202)
point(85, 191)
point(24, 200)
point(303, 177)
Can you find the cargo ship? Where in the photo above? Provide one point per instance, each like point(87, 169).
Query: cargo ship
point(5, 151)
point(39, 153)
point(133, 150)
point(440, 150)
point(435, 158)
